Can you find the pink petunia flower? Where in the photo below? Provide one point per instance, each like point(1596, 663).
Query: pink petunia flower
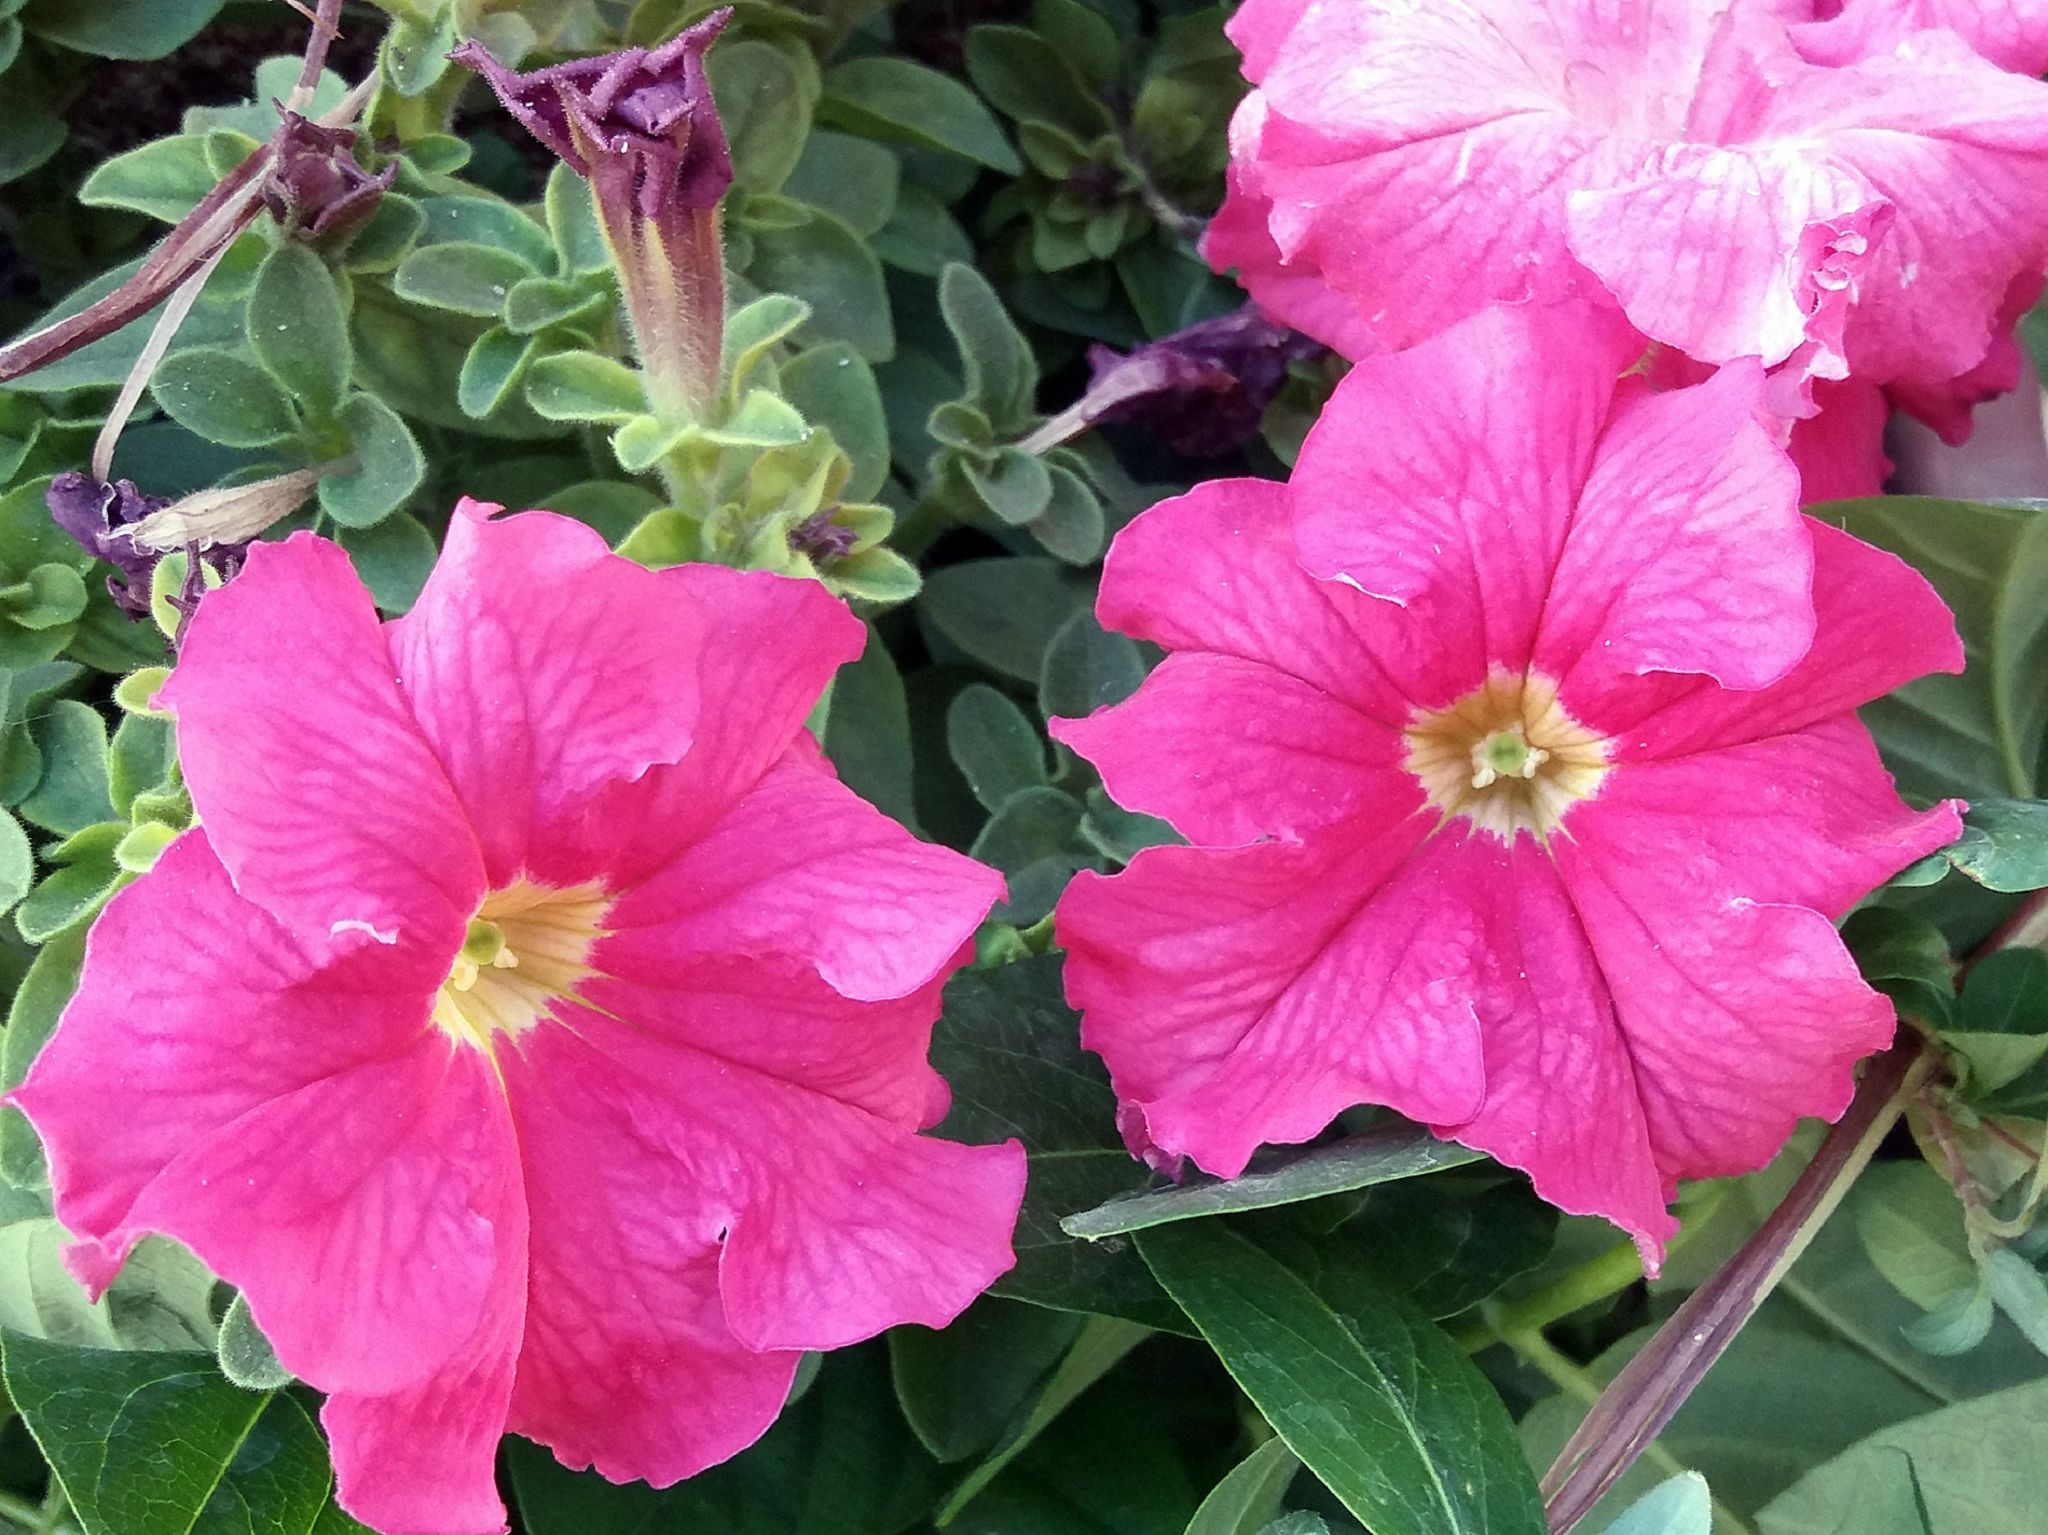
point(534, 1029)
point(1876, 216)
point(1514, 739)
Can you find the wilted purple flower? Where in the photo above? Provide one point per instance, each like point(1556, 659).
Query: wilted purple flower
point(314, 188)
point(641, 126)
point(102, 518)
point(1202, 391)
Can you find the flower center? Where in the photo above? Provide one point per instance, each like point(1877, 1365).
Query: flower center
point(528, 947)
point(1506, 756)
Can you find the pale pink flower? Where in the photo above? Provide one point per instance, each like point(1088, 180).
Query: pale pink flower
point(2012, 34)
point(1515, 740)
point(1873, 217)
point(534, 1029)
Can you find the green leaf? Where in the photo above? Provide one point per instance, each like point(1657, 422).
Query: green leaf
point(573, 222)
point(1014, 485)
point(245, 1355)
point(1249, 1496)
point(1072, 526)
point(147, 1442)
point(1956, 1326)
point(962, 1386)
point(902, 101)
point(17, 862)
point(1903, 956)
point(390, 235)
point(1375, 1399)
point(1100, 1344)
point(1382, 1154)
point(1980, 733)
point(997, 749)
point(1009, 1047)
point(31, 1018)
point(120, 29)
point(996, 361)
point(765, 98)
point(1088, 668)
point(1026, 79)
point(141, 758)
point(487, 222)
point(854, 180)
point(2004, 845)
point(389, 465)
point(461, 277)
point(832, 386)
point(1977, 1465)
point(86, 874)
point(1034, 839)
point(493, 368)
point(393, 558)
point(821, 261)
point(868, 733)
point(2001, 1029)
point(1910, 1223)
point(2018, 1289)
point(922, 236)
point(107, 361)
point(535, 303)
point(1004, 612)
point(165, 179)
point(73, 792)
point(159, 1300)
point(298, 326)
point(582, 386)
point(224, 398)
point(839, 1461)
point(1681, 1506)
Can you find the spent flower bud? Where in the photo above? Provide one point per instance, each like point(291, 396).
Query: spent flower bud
point(641, 127)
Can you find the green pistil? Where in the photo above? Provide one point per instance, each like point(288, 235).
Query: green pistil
point(484, 942)
point(1505, 754)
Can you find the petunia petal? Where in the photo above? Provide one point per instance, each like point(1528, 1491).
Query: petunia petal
point(836, 1223)
point(1561, 1100)
point(802, 865)
point(2013, 34)
point(1429, 483)
point(1877, 624)
point(541, 667)
point(1230, 751)
point(324, 802)
point(628, 1363)
point(423, 1461)
point(1809, 818)
point(1840, 449)
point(775, 1014)
point(1733, 252)
point(1216, 570)
point(1740, 1016)
point(280, 1105)
point(1250, 995)
point(769, 645)
point(1960, 147)
point(1687, 552)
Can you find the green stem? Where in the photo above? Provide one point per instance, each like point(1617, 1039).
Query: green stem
point(19, 1511)
point(1593, 1281)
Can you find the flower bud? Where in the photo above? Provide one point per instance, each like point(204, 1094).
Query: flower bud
point(640, 126)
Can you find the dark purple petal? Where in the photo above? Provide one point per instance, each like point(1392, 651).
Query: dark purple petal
point(314, 187)
point(1204, 390)
point(649, 113)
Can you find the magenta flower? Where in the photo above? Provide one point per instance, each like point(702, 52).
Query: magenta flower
point(1869, 218)
point(535, 1029)
point(1521, 796)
